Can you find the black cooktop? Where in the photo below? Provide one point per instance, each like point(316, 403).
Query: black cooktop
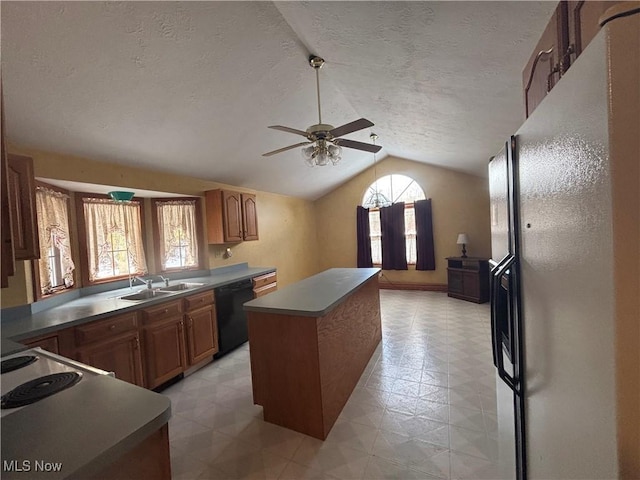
point(15, 363)
point(38, 388)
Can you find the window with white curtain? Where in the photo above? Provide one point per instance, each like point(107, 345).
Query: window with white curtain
point(383, 192)
point(114, 238)
point(177, 232)
point(55, 266)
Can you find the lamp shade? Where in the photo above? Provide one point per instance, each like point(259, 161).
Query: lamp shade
point(121, 196)
point(462, 239)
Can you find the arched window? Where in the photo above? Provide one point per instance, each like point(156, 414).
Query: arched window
point(383, 192)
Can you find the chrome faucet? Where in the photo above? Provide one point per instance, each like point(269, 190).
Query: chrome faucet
point(165, 280)
point(148, 283)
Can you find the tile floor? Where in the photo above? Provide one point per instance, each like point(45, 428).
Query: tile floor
point(424, 407)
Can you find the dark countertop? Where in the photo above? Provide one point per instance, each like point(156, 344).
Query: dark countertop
point(94, 307)
point(9, 347)
point(85, 427)
point(314, 296)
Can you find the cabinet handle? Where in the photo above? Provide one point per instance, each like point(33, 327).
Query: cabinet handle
point(111, 327)
point(137, 346)
point(166, 310)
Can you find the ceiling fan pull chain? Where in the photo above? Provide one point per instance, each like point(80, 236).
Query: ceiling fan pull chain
point(318, 89)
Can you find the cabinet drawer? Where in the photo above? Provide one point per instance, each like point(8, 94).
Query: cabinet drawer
point(161, 312)
point(259, 292)
point(102, 329)
point(199, 300)
point(263, 280)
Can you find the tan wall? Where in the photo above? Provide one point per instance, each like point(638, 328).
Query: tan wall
point(460, 203)
point(286, 224)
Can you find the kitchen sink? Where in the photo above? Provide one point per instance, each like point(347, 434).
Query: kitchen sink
point(178, 287)
point(145, 295)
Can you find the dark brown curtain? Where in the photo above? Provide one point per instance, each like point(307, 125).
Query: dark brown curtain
point(364, 241)
point(425, 255)
point(394, 247)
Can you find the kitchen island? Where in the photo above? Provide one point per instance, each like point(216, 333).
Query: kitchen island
point(309, 344)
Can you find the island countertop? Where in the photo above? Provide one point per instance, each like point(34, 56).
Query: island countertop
point(314, 296)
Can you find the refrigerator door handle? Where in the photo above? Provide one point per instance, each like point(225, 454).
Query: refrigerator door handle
point(493, 292)
point(496, 331)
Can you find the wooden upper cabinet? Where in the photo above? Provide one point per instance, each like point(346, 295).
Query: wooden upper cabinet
point(22, 203)
point(573, 25)
point(545, 65)
point(584, 23)
point(7, 266)
point(231, 216)
point(249, 217)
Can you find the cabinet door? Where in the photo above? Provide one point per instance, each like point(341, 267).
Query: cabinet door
point(7, 268)
point(164, 351)
point(584, 23)
point(48, 343)
point(22, 201)
point(202, 334)
point(120, 355)
point(249, 217)
point(455, 282)
point(544, 67)
point(471, 286)
point(232, 214)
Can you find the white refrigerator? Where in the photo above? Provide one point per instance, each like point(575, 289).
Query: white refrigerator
point(565, 213)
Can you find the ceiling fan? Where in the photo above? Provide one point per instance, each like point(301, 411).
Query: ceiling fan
point(325, 138)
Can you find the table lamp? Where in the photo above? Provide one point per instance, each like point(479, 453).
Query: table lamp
point(463, 240)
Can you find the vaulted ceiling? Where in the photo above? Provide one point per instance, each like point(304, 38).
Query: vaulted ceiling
point(190, 87)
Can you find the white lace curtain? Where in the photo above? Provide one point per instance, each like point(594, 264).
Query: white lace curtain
point(114, 238)
point(177, 230)
point(53, 231)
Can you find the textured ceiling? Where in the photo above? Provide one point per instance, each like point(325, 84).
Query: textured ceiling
point(190, 87)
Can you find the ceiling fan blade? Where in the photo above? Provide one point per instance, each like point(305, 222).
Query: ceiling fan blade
point(268, 154)
point(367, 147)
point(351, 127)
point(289, 130)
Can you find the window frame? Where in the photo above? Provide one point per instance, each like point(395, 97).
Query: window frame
point(35, 270)
point(407, 205)
point(82, 237)
point(156, 234)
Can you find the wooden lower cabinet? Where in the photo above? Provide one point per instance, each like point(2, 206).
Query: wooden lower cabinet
point(60, 342)
point(48, 343)
point(202, 334)
point(120, 355)
point(468, 278)
point(264, 284)
point(164, 351)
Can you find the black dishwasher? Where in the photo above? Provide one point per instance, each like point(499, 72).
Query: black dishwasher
point(232, 321)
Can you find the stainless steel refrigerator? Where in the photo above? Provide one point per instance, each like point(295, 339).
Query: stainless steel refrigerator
point(565, 280)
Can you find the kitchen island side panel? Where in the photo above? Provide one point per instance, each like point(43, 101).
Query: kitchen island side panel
point(303, 369)
point(285, 372)
point(347, 338)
